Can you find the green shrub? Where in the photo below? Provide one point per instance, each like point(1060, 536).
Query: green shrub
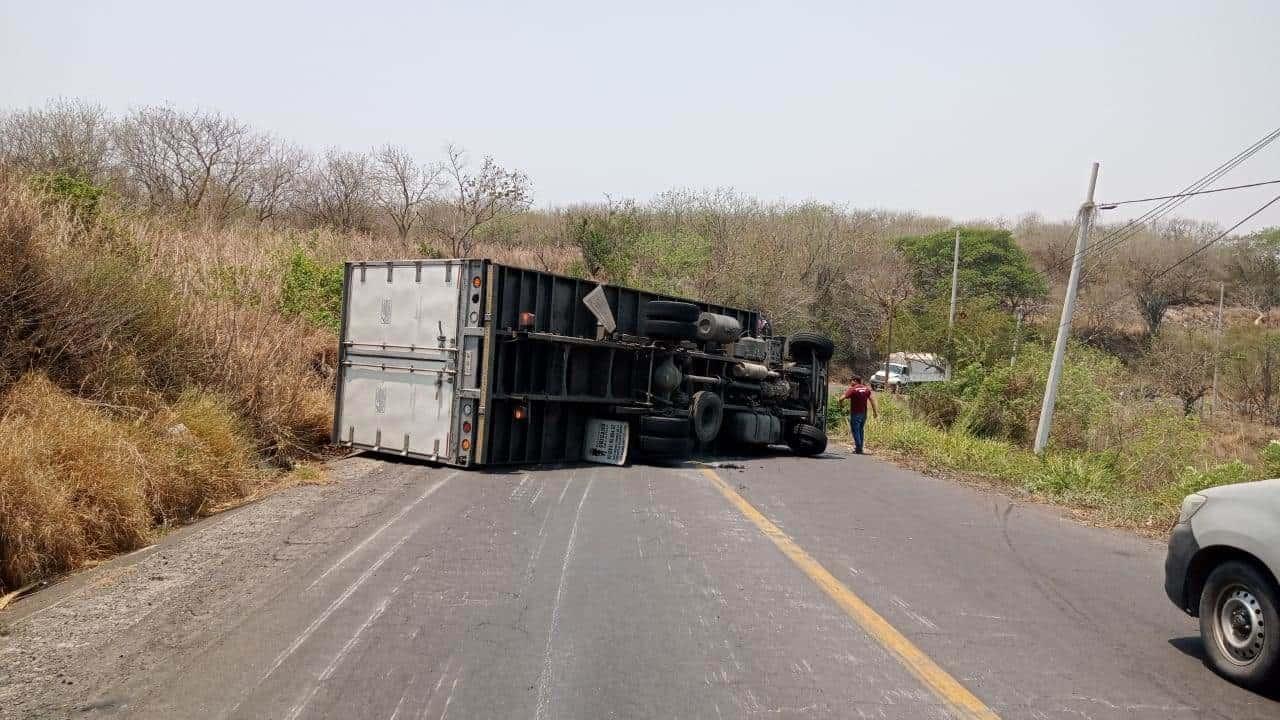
point(1271, 459)
point(983, 333)
point(1085, 478)
point(837, 414)
point(666, 262)
point(937, 403)
point(577, 269)
point(79, 196)
point(1194, 480)
point(605, 239)
point(430, 252)
point(1154, 444)
point(312, 290)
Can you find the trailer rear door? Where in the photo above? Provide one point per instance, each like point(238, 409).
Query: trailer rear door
point(398, 361)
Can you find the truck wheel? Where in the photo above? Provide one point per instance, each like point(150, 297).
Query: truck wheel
point(663, 426)
point(671, 310)
point(707, 411)
point(806, 439)
point(669, 329)
point(803, 343)
point(1240, 625)
point(656, 446)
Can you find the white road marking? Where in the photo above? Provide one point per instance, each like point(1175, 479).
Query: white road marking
point(426, 706)
point(906, 609)
point(544, 681)
point(400, 705)
point(426, 494)
point(322, 617)
point(337, 659)
point(333, 606)
point(449, 700)
point(524, 478)
point(533, 559)
point(566, 488)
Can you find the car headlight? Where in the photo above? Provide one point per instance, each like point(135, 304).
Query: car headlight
point(1190, 506)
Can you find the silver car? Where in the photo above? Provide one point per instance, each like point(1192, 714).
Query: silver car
point(1222, 565)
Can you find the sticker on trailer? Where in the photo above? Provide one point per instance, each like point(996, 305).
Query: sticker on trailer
point(606, 441)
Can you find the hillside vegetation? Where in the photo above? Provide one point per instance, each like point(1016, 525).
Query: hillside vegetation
point(170, 305)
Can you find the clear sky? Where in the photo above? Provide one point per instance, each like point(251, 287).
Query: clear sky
point(960, 108)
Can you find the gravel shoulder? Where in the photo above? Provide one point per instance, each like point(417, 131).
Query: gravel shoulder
point(124, 617)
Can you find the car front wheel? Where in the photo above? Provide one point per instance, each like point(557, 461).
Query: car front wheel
point(1240, 625)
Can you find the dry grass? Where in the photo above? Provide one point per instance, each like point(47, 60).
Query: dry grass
point(145, 377)
point(135, 308)
point(1231, 437)
point(80, 482)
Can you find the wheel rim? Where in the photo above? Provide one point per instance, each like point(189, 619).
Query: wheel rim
point(1239, 625)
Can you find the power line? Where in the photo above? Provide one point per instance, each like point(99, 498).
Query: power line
point(1195, 252)
point(1130, 229)
point(1226, 232)
point(1109, 205)
point(1170, 202)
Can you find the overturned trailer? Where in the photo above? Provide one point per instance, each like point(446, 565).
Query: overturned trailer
point(470, 362)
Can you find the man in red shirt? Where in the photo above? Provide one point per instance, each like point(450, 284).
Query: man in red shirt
point(859, 397)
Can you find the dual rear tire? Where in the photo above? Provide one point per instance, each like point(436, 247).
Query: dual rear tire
point(665, 437)
point(674, 436)
point(669, 320)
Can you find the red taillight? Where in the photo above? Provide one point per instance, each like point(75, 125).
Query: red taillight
point(466, 427)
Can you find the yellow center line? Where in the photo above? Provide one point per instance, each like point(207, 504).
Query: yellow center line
point(959, 700)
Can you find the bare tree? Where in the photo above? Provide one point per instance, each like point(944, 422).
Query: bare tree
point(340, 190)
point(1253, 374)
point(1253, 269)
point(64, 136)
point(276, 181)
point(1148, 262)
point(474, 198)
point(195, 161)
point(403, 185)
point(887, 287)
point(1181, 364)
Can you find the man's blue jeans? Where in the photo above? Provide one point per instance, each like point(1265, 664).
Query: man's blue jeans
point(858, 424)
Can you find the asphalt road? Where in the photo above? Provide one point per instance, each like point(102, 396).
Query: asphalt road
point(839, 587)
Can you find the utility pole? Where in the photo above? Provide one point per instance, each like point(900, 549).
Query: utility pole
point(888, 350)
point(951, 317)
point(1217, 348)
point(1068, 307)
point(1017, 335)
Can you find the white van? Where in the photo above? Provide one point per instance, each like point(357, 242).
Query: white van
point(911, 368)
